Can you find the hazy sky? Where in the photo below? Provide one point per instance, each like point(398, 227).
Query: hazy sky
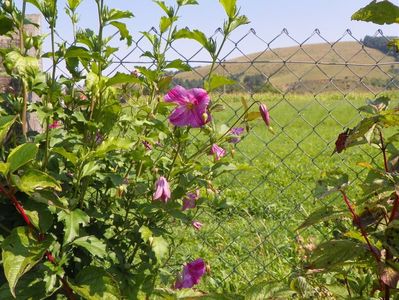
point(268, 18)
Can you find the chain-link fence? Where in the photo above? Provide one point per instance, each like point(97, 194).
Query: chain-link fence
point(313, 89)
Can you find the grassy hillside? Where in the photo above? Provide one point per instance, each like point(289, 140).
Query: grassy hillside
point(310, 67)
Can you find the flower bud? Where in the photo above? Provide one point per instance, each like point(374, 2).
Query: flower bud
point(264, 112)
point(205, 117)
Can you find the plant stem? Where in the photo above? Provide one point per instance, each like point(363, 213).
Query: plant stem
point(357, 221)
point(24, 92)
point(383, 149)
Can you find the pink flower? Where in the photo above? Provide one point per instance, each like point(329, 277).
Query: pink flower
point(192, 273)
point(190, 199)
point(55, 124)
point(192, 107)
point(217, 151)
point(197, 225)
point(162, 190)
point(264, 112)
point(147, 145)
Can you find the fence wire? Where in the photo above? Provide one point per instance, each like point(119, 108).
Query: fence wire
point(313, 89)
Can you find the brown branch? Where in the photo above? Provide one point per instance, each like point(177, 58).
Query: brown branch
point(394, 209)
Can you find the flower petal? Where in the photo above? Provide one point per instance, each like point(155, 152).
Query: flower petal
point(178, 95)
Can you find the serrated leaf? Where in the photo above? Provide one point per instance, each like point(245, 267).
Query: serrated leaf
point(92, 244)
point(6, 25)
point(72, 221)
point(21, 155)
point(34, 180)
point(108, 145)
point(187, 2)
point(20, 253)
point(383, 12)
point(94, 283)
point(39, 215)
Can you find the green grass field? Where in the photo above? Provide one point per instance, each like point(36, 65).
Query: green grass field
point(249, 234)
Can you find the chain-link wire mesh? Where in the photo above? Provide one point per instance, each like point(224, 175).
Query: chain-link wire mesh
point(312, 89)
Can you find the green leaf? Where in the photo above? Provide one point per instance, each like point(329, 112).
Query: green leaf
point(230, 7)
point(165, 23)
point(6, 25)
point(178, 64)
point(89, 169)
point(20, 65)
point(111, 144)
point(116, 14)
point(71, 157)
point(73, 4)
point(383, 12)
point(324, 213)
point(336, 253)
point(330, 183)
point(34, 180)
point(160, 247)
point(252, 116)
point(72, 220)
point(79, 52)
point(5, 124)
point(187, 2)
point(217, 81)
point(39, 215)
point(21, 155)
point(20, 253)
point(92, 244)
point(94, 283)
point(145, 232)
point(168, 10)
point(198, 36)
point(121, 78)
point(238, 21)
point(123, 31)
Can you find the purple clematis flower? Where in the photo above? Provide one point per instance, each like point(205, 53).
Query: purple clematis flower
point(162, 191)
point(264, 112)
point(217, 151)
point(190, 200)
point(236, 132)
point(197, 225)
point(192, 273)
point(192, 109)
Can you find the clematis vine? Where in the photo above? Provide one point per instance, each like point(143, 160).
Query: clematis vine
point(162, 191)
point(192, 107)
point(189, 201)
point(217, 151)
point(192, 273)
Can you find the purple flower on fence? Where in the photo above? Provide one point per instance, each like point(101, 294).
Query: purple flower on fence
point(189, 201)
point(192, 273)
point(264, 112)
point(192, 107)
point(197, 225)
point(236, 132)
point(217, 151)
point(162, 191)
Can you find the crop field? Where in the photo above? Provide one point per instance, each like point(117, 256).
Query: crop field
point(250, 234)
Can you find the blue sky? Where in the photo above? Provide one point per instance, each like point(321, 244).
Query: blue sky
point(268, 18)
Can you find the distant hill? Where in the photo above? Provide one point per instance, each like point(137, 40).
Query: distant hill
point(310, 68)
